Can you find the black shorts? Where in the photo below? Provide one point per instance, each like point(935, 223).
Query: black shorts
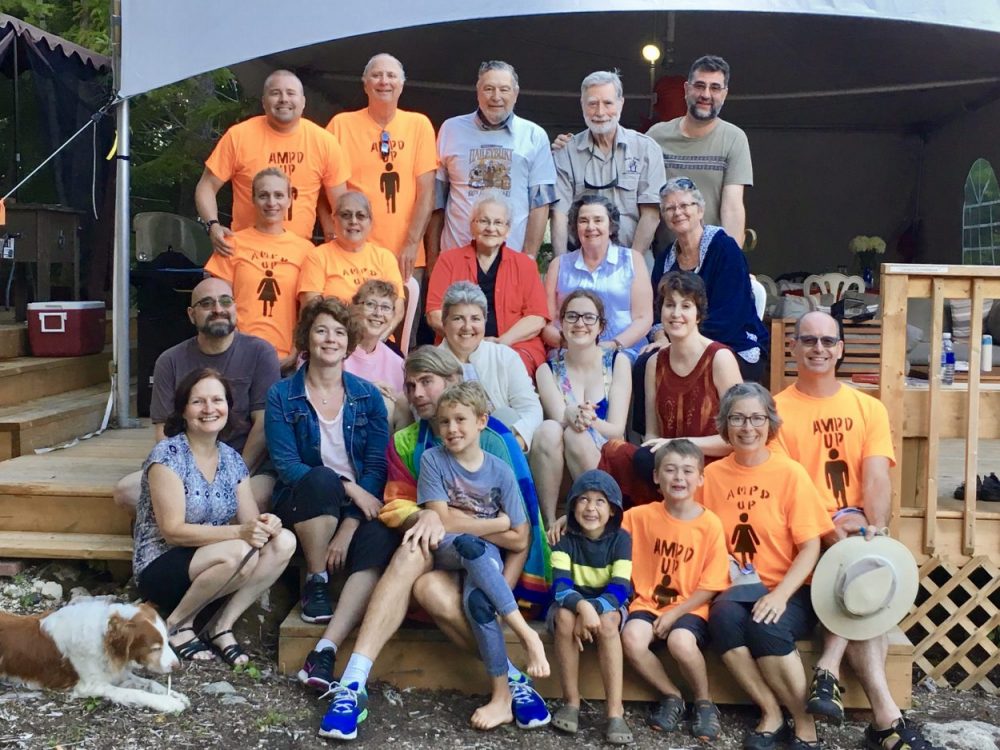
point(372, 546)
point(692, 623)
point(319, 493)
point(165, 580)
point(731, 626)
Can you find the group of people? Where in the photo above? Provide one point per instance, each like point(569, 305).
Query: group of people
point(435, 480)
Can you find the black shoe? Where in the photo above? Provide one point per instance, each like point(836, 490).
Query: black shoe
point(959, 493)
point(754, 740)
point(317, 672)
point(824, 697)
point(316, 600)
point(900, 736)
point(991, 488)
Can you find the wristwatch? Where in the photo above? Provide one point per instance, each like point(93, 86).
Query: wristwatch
point(618, 345)
point(208, 225)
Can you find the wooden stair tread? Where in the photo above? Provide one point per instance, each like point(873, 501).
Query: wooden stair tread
point(42, 410)
point(21, 365)
point(42, 544)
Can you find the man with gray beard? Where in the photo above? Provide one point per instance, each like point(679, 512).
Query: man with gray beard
point(250, 364)
point(712, 152)
point(606, 159)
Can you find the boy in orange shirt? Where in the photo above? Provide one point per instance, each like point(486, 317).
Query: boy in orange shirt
point(679, 564)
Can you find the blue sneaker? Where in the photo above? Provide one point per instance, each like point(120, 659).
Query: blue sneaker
point(530, 711)
point(348, 708)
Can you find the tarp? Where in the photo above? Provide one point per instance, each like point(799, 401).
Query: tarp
point(164, 42)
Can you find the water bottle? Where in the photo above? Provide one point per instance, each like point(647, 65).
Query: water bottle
point(947, 361)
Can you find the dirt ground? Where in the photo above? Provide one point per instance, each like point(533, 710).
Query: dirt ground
point(261, 708)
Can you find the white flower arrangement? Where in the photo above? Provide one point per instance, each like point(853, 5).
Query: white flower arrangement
point(862, 244)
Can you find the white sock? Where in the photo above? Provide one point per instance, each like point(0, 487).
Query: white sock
point(324, 643)
point(357, 670)
point(322, 574)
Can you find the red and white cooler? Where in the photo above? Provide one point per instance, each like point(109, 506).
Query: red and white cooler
point(65, 329)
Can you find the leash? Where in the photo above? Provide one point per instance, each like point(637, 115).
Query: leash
point(246, 558)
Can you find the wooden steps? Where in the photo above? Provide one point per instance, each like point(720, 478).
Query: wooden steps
point(49, 546)
point(29, 378)
point(52, 420)
point(69, 491)
point(425, 658)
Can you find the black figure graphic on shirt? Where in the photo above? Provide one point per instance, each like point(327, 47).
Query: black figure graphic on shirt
point(663, 593)
point(389, 185)
point(745, 541)
point(838, 478)
point(268, 293)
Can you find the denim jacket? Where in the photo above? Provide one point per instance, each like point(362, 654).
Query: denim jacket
point(293, 436)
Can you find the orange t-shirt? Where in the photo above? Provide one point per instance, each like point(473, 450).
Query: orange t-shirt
point(831, 437)
point(335, 272)
point(264, 274)
point(390, 184)
point(311, 157)
point(766, 511)
point(672, 559)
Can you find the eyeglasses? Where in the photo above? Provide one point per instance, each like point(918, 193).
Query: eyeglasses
point(701, 87)
point(612, 184)
point(357, 215)
point(385, 145)
point(373, 306)
point(492, 91)
point(572, 317)
point(487, 223)
point(828, 342)
point(685, 207)
point(207, 303)
point(738, 420)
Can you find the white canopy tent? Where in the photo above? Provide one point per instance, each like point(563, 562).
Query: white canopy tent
point(800, 65)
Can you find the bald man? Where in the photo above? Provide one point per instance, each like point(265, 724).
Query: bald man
point(250, 364)
point(281, 137)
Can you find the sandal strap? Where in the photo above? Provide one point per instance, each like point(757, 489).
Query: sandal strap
point(217, 636)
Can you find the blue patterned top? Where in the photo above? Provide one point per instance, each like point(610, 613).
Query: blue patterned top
point(212, 503)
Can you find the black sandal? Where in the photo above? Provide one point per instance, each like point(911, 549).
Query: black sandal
point(189, 649)
point(229, 653)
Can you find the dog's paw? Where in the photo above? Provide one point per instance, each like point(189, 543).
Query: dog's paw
point(173, 703)
point(182, 698)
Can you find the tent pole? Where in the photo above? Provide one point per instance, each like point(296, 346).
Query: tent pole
point(120, 292)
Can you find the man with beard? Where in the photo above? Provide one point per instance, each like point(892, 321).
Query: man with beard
point(250, 364)
point(712, 152)
point(606, 159)
point(492, 148)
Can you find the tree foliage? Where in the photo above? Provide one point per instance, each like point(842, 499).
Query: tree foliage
point(173, 128)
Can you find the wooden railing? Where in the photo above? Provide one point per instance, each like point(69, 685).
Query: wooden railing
point(926, 415)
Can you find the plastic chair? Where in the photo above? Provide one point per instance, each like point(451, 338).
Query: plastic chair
point(412, 302)
point(158, 231)
point(769, 284)
point(834, 284)
point(759, 296)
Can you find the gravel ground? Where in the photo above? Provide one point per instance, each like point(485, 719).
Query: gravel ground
point(261, 708)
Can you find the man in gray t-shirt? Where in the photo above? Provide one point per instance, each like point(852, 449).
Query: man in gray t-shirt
point(250, 364)
point(712, 152)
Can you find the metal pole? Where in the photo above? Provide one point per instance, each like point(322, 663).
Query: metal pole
point(122, 364)
point(122, 261)
point(17, 112)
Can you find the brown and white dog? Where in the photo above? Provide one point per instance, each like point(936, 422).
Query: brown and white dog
point(89, 647)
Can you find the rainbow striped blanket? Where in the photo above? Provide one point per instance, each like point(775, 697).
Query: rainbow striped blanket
point(407, 446)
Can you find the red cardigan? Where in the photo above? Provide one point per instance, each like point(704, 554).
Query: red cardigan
point(518, 292)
